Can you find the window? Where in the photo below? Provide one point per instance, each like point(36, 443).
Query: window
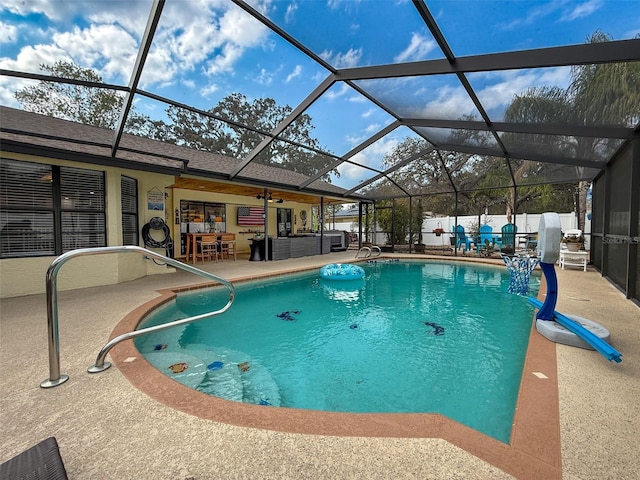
point(49, 210)
point(201, 217)
point(129, 194)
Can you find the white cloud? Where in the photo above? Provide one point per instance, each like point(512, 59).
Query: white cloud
point(108, 48)
point(357, 98)
point(209, 89)
point(498, 92)
point(297, 71)
point(30, 58)
point(340, 92)
point(350, 173)
point(495, 91)
point(544, 12)
point(450, 102)
point(581, 10)
point(264, 78)
point(242, 29)
point(131, 15)
point(556, 76)
point(8, 33)
point(418, 49)
point(499, 95)
point(347, 6)
point(319, 76)
point(372, 128)
point(370, 157)
point(348, 59)
point(8, 86)
point(368, 113)
point(50, 8)
point(291, 12)
point(159, 68)
point(533, 15)
point(224, 61)
point(212, 35)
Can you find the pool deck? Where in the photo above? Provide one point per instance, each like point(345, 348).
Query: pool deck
point(118, 424)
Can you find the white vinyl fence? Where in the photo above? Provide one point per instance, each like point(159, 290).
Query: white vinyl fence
point(527, 223)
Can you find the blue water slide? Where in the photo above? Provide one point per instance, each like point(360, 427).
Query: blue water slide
point(596, 342)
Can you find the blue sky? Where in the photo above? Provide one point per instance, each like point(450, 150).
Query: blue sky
point(205, 50)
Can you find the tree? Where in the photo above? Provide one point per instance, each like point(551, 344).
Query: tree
point(400, 223)
point(231, 136)
point(601, 94)
point(264, 115)
point(88, 105)
point(242, 127)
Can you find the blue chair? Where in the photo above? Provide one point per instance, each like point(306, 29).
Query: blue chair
point(461, 238)
point(509, 238)
point(486, 235)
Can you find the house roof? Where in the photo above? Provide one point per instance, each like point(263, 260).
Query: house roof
point(31, 133)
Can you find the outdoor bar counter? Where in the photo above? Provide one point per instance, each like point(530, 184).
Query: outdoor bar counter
point(294, 246)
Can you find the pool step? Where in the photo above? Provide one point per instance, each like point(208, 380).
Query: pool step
point(233, 375)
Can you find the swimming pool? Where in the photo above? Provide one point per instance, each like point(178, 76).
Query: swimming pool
point(369, 346)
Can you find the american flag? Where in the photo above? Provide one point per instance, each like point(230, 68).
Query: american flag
point(250, 216)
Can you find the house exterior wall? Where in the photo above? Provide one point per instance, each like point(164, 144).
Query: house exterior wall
point(26, 276)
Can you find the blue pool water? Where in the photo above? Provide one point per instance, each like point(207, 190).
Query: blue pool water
point(409, 337)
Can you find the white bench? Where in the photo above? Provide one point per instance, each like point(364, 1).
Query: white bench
point(575, 259)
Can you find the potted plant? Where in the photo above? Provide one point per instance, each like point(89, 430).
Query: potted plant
point(438, 231)
point(419, 247)
point(573, 242)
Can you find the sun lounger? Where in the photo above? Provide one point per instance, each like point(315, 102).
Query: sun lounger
point(40, 462)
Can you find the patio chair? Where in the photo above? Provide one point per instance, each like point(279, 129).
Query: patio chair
point(486, 235)
point(509, 238)
point(227, 246)
point(40, 462)
point(462, 241)
point(207, 251)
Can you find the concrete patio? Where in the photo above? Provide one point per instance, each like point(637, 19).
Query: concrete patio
point(108, 429)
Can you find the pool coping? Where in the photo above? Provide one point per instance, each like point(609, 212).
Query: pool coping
point(533, 452)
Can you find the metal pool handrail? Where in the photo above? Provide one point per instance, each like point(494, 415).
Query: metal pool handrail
point(369, 251)
point(55, 378)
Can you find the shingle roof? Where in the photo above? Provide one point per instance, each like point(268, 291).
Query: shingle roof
point(42, 135)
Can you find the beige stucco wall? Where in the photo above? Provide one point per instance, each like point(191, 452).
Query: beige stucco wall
point(26, 276)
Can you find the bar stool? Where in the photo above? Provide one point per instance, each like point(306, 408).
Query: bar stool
point(208, 250)
point(228, 246)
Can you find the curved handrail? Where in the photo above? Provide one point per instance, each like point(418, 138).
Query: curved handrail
point(55, 378)
point(369, 251)
point(365, 250)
